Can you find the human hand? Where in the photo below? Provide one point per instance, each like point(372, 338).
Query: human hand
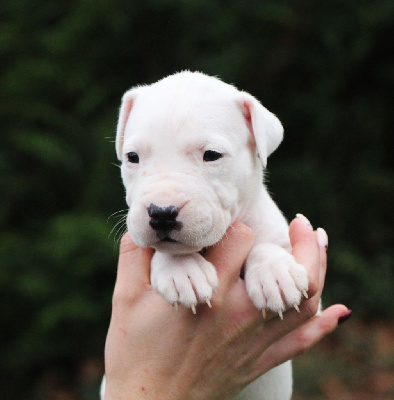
point(154, 351)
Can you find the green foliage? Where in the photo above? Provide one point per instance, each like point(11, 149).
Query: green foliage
point(325, 68)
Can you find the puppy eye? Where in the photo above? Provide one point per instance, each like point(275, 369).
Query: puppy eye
point(211, 155)
point(133, 157)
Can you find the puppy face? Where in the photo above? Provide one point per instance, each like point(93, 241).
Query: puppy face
point(189, 160)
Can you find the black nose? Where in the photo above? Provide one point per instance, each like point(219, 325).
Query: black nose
point(163, 218)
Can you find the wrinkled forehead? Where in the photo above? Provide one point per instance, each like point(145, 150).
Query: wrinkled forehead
point(178, 111)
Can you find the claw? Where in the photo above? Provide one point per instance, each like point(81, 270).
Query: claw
point(280, 314)
point(193, 307)
point(215, 291)
point(208, 302)
point(264, 313)
point(175, 304)
point(305, 294)
point(296, 307)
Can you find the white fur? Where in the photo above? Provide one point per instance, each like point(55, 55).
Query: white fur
point(170, 125)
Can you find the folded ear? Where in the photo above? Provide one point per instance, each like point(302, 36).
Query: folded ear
point(125, 109)
point(265, 127)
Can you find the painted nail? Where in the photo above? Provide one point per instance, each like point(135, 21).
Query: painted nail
point(322, 238)
point(345, 316)
point(305, 220)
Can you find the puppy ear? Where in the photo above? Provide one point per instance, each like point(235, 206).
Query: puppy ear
point(125, 109)
point(265, 127)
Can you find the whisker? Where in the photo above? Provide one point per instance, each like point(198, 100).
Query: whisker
point(119, 223)
point(117, 212)
point(119, 233)
point(111, 139)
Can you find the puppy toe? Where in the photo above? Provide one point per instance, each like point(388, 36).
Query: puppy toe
point(300, 276)
point(168, 290)
point(255, 292)
point(186, 294)
point(210, 272)
point(290, 293)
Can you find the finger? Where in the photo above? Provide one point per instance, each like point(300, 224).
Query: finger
point(133, 266)
point(303, 338)
point(322, 239)
point(230, 253)
point(306, 251)
point(312, 305)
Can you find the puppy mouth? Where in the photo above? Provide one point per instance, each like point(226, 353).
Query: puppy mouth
point(167, 244)
point(168, 240)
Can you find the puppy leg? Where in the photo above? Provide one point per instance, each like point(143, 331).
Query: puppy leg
point(274, 280)
point(186, 279)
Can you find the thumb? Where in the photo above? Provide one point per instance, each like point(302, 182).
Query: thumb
point(306, 250)
point(230, 253)
point(133, 266)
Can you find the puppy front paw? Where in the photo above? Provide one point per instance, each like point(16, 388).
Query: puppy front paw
point(274, 280)
point(184, 279)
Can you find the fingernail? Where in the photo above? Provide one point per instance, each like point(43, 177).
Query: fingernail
point(322, 238)
point(305, 220)
point(344, 317)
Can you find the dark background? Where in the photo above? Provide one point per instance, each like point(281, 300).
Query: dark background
point(325, 68)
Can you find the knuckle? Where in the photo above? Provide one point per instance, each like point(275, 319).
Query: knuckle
point(325, 325)
point(310, 308)
point(313, 287)
point(304, 341)
point(124, 298)
point(243, 230)
point(126, 244)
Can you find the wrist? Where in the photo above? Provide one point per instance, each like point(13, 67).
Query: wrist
point(134, 389)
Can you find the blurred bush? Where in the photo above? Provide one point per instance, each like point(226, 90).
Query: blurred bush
point(325, 68)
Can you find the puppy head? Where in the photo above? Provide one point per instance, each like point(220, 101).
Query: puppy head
point(188, 146)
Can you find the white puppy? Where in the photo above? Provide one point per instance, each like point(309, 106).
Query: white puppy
point(193, 150)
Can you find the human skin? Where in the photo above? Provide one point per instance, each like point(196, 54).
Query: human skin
point(154, 351)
